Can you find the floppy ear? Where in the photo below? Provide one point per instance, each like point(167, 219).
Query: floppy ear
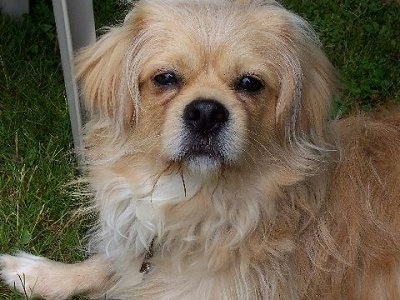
point(100, 71)
point(306, 82)
point(307, 78)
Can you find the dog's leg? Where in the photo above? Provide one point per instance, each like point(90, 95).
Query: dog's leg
point(36, 276)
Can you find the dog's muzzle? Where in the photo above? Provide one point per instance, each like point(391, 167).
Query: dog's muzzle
point(204, 120)
point(205, 136)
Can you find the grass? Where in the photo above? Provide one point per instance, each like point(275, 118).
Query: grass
point(36, 160)
point(362, 40)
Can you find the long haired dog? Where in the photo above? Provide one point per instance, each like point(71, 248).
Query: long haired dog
point(208, 147)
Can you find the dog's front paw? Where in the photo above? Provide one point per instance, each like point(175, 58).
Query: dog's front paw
point(21, 271)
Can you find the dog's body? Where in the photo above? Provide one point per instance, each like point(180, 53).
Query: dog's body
point(208, 142)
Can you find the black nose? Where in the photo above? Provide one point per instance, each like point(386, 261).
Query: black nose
point(205, 116)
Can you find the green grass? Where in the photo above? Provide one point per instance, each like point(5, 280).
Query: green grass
point(362, 39)
point(36, 160)
point(36, 157)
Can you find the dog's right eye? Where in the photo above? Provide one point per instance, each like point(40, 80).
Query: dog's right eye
point(166, 79)
point(249, 84)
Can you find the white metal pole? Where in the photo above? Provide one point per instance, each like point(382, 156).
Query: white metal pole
point(75, 29)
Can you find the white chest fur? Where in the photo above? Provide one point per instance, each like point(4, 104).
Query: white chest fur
point(131, 208)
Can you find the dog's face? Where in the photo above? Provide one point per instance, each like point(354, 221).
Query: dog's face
point(202, 89)
point(209, 85)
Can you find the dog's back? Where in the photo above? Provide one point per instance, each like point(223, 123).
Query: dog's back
point(355, 244)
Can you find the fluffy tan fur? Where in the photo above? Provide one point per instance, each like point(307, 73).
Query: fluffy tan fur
point(301, 208)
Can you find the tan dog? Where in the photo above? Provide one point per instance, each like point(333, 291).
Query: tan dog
point(208, 144)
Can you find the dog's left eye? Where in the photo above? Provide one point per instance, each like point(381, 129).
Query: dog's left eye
point(249, 84)
point(166, 79)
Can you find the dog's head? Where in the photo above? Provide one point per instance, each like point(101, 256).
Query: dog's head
point(209, 85)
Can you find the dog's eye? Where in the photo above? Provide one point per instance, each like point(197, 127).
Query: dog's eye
point(249, 84)
point(166, 79)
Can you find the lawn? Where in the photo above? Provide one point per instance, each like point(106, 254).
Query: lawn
point(37, 164)
point(37, 210)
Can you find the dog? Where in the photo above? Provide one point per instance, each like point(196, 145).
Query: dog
point(214, 168)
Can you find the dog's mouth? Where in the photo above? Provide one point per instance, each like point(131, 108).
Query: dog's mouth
point(201, 156)
point(199, 147)
point(205, 140)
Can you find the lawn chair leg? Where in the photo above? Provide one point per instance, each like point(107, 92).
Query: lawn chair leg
point(75, 29)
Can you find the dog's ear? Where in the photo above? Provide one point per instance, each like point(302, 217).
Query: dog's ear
point(102, 71)
point(305, 82)
point(99, 69)
point(308, 82)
